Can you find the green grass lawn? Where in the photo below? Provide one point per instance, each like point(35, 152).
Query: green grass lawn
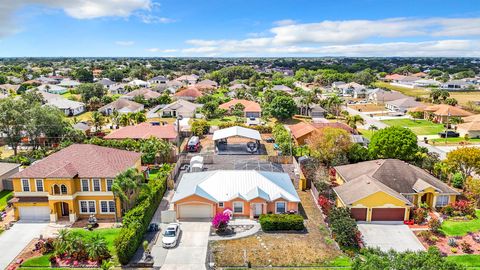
point(367, 133)
point(3, 198)
point(218, 121)
point(414, 92)
point(42, 261)
point(109, 234)
point(455, 140)
point(460, 228)
point(419, 127)
point(86, 116)
point(470, 261)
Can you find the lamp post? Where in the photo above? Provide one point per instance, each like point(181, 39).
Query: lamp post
point(179, 118)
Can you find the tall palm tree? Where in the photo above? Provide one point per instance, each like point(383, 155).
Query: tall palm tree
point(115, 118)
point(352, 120)
point(126, 185)
point(139, 117)
point(333, 104)
point(98, 121)
point(373, 128)
point(124, 120)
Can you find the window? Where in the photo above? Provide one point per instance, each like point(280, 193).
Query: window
point(409, 197)
point(63, 188)
point(96, 184)
point(109, 184)
point(25, 185)
point(85, 185)
point(280, 207)
point(220, 204)
point(442, 200)
point(91, 206)
point(107, 206)
point(83, 207)
point(87, 207)
point(39, 185)
point(238, 207)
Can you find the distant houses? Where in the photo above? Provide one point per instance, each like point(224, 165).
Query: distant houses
point(68, 107)
point(144, 131)
point(180, 107)
point(251, 108)
point(189, 94)
point(122, 106)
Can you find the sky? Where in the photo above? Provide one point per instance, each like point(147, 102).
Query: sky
point(239, 28)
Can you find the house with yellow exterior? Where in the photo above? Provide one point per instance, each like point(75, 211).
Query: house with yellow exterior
point(72, 183)
point(387, 190)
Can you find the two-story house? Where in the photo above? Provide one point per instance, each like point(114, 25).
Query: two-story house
point(72, 183)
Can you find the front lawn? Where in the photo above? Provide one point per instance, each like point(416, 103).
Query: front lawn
point(419, 127)
point(4, 194)
point(42, 261)
point(367, 133)
point(109, 234)
point(466, 260)
point(456, 140)
point(460, 228)
point(84, 117)
point(218, 121)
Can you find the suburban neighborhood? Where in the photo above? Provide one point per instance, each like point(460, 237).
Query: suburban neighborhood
point(322, 140)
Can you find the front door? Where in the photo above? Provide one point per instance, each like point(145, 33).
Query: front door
point(65, 209)
point(257, 209)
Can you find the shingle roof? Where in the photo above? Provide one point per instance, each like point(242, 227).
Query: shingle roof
point(250, 106)
point(469, 126)
point(122, 103)
point(144, 131)
point(6, 167)
point(82, 160)
point(407, 102)
point(145, 92)
point(225, 185)
point(189, 92)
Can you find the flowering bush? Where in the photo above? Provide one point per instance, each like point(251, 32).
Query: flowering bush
point(325, 204)
point(220, 221)
point(459, 208)
point(419, 215)
point(434, 224)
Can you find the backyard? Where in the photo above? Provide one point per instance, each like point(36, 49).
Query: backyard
point(314, 248)
point(419, 127)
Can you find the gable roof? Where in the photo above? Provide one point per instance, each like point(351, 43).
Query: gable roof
point(250, 106)
point(225, 185)
point(236, 131)
point(122, 103)
point(144, 131)
point(82, 160)
point(469, 126)
point(181, 104)
point(145, 92)
point(393, 173)
point(301, 129)
point(189, 92)
point(447, 110)
point(407, 102)
point(7, 167)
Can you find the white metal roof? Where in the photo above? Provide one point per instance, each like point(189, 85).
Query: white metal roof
point(225, 185)
point(237, 131)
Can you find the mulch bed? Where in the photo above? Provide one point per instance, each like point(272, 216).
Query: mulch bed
point(231, 230)
point(442, 244)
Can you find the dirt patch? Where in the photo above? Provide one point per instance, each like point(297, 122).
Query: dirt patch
point(368, 107)
point(281, 249)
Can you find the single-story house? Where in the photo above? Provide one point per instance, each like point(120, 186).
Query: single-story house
point(52, 88)
point(246, 193)
point(107, 83)
point(69, 83)
point(472, 129)
point(441, 113)
point(118, 89)
point(380, 96)
point(67, 106)
point(188, 79)
point(7, 88)
point(252, 108)
point(139, 83)
point(302, 131)
point(282, 88)
point(402, 105)
point(158, 80)
point(144, 92)
point(456, 85)
point(121, 105)
point(6, 171)
point(190, 94)
point(206, 85)
point(180, 107)
point(352, 89)
point(426, 83)
point(387, 189)
point(405, 81)
point(472, 118)
point(144, 131)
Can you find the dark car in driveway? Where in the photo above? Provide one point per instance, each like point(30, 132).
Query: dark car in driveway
point(449, 134)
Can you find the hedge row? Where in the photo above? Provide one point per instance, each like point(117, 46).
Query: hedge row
point(261, 129)
point(137, 220)
point(281, 222)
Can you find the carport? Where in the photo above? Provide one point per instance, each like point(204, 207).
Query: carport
point(243, 141)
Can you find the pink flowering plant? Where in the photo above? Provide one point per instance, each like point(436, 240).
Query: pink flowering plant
point(220, 221)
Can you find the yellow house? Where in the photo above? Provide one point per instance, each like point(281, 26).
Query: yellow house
point(72, 183)
point(387, 189)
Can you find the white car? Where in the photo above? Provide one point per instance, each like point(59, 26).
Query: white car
point(170, 236)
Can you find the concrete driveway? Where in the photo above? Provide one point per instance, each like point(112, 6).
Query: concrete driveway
point(13, 241)
point(190, 252)
point(388, 236)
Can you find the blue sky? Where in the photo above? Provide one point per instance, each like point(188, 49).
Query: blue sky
point(239, 28)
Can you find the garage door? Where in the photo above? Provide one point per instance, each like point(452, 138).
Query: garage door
point(388, 214)
point(359, 214)
point(34, 213)
point(195, 211)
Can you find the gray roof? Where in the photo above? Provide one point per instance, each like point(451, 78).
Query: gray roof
point(122, 103)
point(63, 103)
point(83, 126)
point(393, 173)
point(408, 102)
point(106, 82)
point(7, 167)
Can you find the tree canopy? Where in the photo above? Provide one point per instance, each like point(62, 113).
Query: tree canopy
point(394, 142)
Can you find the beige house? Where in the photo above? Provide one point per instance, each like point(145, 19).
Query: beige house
point(472, 129)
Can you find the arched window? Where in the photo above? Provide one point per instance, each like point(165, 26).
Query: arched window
point(63, 189)
point(55, 190)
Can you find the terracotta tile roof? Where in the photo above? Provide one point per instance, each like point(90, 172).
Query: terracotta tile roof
point(470, 126)
point(301, 129)
point(447, 110)
point(394, 77)
point(82, 160)
point(250, 106)
point(189, 92)
point(145, 92)
point(473, 118)
point(144, 131)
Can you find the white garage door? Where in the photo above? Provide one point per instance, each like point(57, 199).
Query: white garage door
point(34, 213)
point(195, 211)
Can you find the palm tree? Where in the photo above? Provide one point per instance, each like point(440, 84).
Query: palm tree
point(96, 248)
point(115, 118)
point(333, 104)
point(124, 120)
point(98, 121)
point(139, 117)
point(126, 185)
point(352, 120)
point(373, 128)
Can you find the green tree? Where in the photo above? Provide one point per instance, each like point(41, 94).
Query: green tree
point(352, 120)
point(83, 75)
point(465, 160)
point(238, 111)
point(394, 142)
point(200, 127)
point(330, 146)
point(126, 186)
point(89, 90)
point(98, 121)
point(282, 107)
point(12, 121)
point(209, 109)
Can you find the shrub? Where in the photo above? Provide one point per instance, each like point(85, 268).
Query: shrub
point(344, 228)
point(419, 215)
point(434, 224)
point(281, 222)
point(433, 239)
point(452, 242)
point(137, 220)
point(325, 204)
point(220, 221)
point(454, 250)
point(459, 208)
point(425, 235)
point(458, 180)
point(466, 247)
point(200, 127)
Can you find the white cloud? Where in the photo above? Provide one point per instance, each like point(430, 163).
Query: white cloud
point(149, 18)
point(125, 43)
point(158, 50)
point(284, 22)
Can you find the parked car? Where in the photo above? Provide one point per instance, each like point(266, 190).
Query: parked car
point(449, 134)
point(193, 144)
point(170, 236)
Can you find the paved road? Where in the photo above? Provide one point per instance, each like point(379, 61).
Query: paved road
point(387, 236)
point(13, 241)
point(368, 120)
point(190, 253)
